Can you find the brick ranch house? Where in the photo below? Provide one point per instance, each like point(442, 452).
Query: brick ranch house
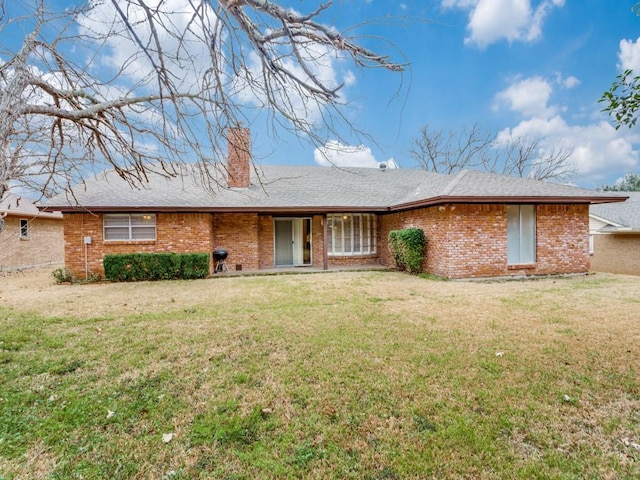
point(476, 224)
point(29, 238)
point(615, 236)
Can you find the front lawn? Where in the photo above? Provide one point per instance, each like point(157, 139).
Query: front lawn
point(364, 375)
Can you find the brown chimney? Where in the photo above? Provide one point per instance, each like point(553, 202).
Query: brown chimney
point(239, 157)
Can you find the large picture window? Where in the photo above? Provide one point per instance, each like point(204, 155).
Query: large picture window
point(351, 234)
point(125, 226)
point(521, 234)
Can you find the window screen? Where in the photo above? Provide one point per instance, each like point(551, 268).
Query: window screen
point(135, 226)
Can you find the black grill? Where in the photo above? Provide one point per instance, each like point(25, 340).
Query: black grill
point(220, 254)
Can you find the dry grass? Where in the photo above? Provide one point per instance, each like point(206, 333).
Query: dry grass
point(342, 375)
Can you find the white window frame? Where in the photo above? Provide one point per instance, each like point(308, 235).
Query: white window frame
point(24, 229)
point(135, 230)
point(346, 241)
point(521, 234)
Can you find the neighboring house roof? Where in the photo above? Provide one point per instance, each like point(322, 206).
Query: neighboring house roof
point(318, 189)
point(619, 217)
point(19, 206)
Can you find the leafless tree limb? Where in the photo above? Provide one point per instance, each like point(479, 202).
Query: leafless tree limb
point(449, 152)
point(475, 149)
point(140, 87)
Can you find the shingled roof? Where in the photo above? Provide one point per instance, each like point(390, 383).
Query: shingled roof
point(19, 206)
point(313, 189)
point(623, 217)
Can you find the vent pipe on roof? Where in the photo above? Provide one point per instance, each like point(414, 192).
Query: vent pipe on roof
point(239, 157)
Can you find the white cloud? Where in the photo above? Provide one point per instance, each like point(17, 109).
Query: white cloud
point(176, 18)
point(528, 96)
point(513, 20)
point(567, 82)
point(349, 78)
point(324, 64)
point(598, 148)
point(492, 20)
point(629, 55)
point(336, 154)
point(531, 96)
point(181, 35)
point(464, 4)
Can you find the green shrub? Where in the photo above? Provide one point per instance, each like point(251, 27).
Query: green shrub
point(133, 267)
point(62, 275)
point(407, 247)
point(194, 265)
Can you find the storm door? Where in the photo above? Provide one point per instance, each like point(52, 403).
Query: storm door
point(292, 241)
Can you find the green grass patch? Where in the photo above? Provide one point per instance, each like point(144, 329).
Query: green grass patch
point(361, 375)
point(435, 278)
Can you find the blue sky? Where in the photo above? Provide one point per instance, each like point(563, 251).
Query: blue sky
point(525, 67)
point(533, 68)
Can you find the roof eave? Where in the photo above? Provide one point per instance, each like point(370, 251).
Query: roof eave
point(606, 220)
point(53, 214)
point(320, 209)
point(205, 209)
point(618, 231)
point(508, 199)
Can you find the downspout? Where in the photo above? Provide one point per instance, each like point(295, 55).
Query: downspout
point(325, 235)
point(86, 252)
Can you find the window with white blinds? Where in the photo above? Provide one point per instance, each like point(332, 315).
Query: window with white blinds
point(129, 226)
point(351, 234)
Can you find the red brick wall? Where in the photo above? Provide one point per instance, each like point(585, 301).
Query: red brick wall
point(317, 240)
point(562, 233)
point(175, 232)
point(239, 234)
point(355, 260)
point(462, 240)
point(265, 241)
point(471, 240)
point(239, 157)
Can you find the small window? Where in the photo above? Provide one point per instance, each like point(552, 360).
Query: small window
point(24, 229)
point(134, 226)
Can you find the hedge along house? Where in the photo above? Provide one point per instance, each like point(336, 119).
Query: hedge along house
point(476, 224)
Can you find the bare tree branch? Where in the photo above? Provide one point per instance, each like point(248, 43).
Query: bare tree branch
point(449, 152)
point(140, 87)
point(474, 149)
